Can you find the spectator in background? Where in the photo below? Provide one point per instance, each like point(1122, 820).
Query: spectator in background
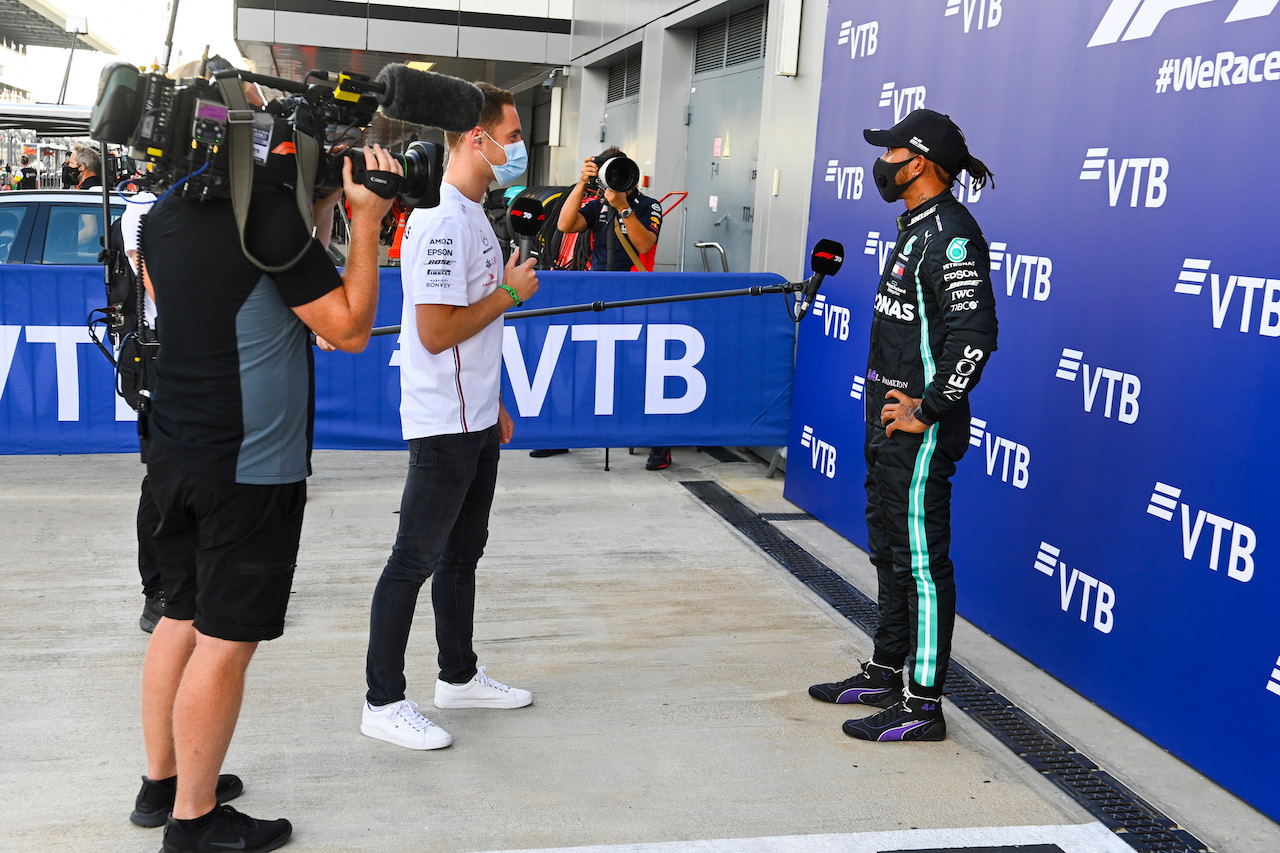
point(86, 166)
point(29, 178)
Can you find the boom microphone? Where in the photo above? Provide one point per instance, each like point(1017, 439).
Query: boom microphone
point(428, 98)
point(826, 259)
point(527, 219)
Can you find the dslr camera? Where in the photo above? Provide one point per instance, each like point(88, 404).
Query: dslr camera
point(619, 173)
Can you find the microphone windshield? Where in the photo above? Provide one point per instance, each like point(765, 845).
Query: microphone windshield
point(527, 216)
point(430, 99)
point(827, 257)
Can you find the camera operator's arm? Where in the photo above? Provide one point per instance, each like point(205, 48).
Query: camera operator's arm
point(571, 220)
point(442, 327)
point(636, 226)
point(344, 315)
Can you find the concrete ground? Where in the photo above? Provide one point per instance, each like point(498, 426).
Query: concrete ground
point(669, 659)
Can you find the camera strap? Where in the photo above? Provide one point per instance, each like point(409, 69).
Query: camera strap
point(626, 245)
point(240, 156)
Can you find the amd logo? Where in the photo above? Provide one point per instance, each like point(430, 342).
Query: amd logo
point(1104, 602)
point(1157, 190)
point(1126, 410)
point(861, 38)
point(835, 318)
point(902, 100)
point(996, 447)
point(822, 455)
point(1031, 271)
point(989, 12)
point(848, 179)
point(1191, 281)
point(1164, 502)
point(1126, 20)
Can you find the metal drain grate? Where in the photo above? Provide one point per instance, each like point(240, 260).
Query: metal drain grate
point(786, 516)
point(1133, 820)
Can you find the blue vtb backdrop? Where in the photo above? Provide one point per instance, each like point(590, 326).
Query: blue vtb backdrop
point(1114, 517)
point(691, 373)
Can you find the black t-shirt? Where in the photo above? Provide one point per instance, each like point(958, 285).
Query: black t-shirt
point(90, 182)
point(234, 396)
point(646, 212)
point(30, 178)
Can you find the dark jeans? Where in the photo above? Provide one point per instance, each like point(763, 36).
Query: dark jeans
point(444, 525)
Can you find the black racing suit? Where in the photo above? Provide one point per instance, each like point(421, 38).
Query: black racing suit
point(934, 329)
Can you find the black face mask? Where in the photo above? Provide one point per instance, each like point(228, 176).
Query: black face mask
point(885, 175)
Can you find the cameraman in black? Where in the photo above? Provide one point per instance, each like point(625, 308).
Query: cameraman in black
point(231, 426)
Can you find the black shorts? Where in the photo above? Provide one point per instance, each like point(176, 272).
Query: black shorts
point(227, 551)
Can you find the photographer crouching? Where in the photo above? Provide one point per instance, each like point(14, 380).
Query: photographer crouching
point(231, 429)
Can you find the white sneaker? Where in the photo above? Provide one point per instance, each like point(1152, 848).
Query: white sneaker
point(401, 724)
point(480, 692)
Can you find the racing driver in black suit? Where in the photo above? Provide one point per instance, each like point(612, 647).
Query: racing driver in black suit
point(933, 331)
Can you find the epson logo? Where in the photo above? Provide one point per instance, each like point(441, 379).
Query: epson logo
point(448, 253)
point(1125, 408)
point(859, 386)
point(902, 100)
point(1164, 503)
point(1031, 271)
point(1126, 20)
point(848, 179)
point(996, 448)
point(880, 249)
point(988, 12)
point(1157, 190)
point(822, 455)
point(835, 318)
point(1191, 281)
point(1104, 602)
point(860, 38)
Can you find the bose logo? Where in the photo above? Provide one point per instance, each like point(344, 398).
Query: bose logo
point(848, 179)
point(835, 319)
point(1027, 264)
point(1126, 20)
point(979, 436)
point(1047, 563)
point(822, 455)
point(861, 39)
point(1164, 501)
point(903, 100)
point(1130, 386)
point(1191, 281)
point(1157, 191)
point(989, 12)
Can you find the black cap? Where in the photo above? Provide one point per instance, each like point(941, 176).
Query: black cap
point(925, 132)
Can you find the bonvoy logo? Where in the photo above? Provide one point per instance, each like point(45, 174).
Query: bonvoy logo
point(1125, 407)
point(861, 38)
point(1251, 290)
point(1165, 504)
point(1095, 159)
point(1048, 563)
point(822, 455)
point(1126, 20)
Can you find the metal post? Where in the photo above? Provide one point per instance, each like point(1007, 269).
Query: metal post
point(62, 95)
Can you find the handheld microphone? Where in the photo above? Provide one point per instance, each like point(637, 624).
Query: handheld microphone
point(527, 218)
point(825, 260)
point(428, 98)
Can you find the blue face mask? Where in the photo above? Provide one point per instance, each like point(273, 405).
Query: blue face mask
point(517, 162)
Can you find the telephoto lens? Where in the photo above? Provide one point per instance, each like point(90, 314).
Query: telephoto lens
point(620, 174)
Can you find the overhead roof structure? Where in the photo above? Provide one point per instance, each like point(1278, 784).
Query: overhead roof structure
point(46, 119)
point(40, 24)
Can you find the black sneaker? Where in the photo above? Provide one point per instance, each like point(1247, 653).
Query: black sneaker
point(155, 800)
point(229, 830)
point(913, 718)
point(152, 610)
point(543, 454)
point(659, 458)
point(878, 686)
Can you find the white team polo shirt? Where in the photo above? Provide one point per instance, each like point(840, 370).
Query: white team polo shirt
point(450, 256)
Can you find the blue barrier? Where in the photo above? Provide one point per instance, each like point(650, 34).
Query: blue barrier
point(692, 373)
point(1110, 517)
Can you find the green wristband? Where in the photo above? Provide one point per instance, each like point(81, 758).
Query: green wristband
point(515, 297)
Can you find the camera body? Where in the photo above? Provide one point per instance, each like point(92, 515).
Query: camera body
point(181, 128)
point(620, 174)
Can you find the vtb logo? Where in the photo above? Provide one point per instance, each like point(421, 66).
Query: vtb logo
point(880, 249)
point(1020, 456)
point(1126, 20)
point(1164, 503)
point(1126, 408)
point(822, 455)
point(859, 386)
point(848, 179)
point(902, 100)
point(1048, 563)
point(1191, 281)
point(861, 38)
point(1157, 189)
point(988, 12)
point(1031, 271)
point(835, 318)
